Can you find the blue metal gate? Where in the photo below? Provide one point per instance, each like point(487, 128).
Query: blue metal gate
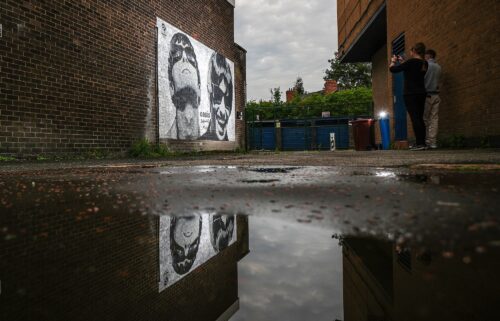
point(269, 138)
point(298, 134)
point(296, 138)
point(400, 125)
point(262, 138)
point(255, 135)
point(341, 136)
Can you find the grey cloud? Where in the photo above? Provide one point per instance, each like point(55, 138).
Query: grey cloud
point(286, 39)
point(293, 272)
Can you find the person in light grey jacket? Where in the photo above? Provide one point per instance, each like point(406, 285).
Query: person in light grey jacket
point(433, 100)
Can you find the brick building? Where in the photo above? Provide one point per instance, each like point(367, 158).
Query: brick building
point(82, 75)
point(329, 87)
point(465, 36)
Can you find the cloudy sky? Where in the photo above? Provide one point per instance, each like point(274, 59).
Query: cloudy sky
point(285, 39)
point(293, 272)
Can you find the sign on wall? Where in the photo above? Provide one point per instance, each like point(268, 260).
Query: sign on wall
point(186, 242)
point(195, 89)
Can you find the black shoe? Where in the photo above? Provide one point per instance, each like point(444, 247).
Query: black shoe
point(418, 147)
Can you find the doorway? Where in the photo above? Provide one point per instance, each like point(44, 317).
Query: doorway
point(400, 125)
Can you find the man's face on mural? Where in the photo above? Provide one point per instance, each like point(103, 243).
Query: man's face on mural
point(185, 235)
point(222, 231)
point(187, 122)
point(185, 66)
point(185, 86)
point(221, 106)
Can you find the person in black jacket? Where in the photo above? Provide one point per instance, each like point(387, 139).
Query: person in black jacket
point(414, 70)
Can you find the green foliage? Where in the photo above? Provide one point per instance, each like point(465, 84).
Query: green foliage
point(299, 87)
point(349, 75)
point(6, 158)
point(485, 142)
point(276, 96)
point(145, 149)
point(240, 150)
point(453, 141)
point(354, 102)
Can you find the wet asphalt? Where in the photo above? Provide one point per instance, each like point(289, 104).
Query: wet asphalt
point(449, 206)
point(445, 204)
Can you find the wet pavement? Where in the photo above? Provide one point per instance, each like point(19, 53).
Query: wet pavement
point(249, 243)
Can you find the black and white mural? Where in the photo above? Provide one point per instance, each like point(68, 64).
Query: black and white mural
point(195, 89)
point(186, 242)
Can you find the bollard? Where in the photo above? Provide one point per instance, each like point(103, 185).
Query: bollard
point(385, 132)
point(333, 145)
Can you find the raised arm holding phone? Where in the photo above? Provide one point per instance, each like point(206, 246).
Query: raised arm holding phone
point(414, 70)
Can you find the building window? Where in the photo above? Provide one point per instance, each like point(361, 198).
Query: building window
point(398, 45)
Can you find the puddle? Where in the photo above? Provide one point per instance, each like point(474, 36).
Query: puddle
point(102, 246)
point(226, 267)
point(274, 170)
point(293, 272)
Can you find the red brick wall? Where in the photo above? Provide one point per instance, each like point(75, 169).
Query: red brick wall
point(465, 36)
point(330, 86)
point(81, 75)
point(353, 15)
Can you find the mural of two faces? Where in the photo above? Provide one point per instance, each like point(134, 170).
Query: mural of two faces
point(187, 242)
point(195, 89)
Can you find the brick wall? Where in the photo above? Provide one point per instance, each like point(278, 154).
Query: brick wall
point(353, 15)
point(81, 75)
point(464, 34)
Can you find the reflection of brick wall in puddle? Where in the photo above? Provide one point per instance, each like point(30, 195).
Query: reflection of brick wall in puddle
point(91, 261)
point(82, 76)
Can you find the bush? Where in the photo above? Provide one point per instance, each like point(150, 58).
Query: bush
point(6, 158)
point(353, 102)
point(145, 149)
point(453, 141)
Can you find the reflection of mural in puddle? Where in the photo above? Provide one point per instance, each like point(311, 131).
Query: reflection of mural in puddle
point(293, 272)
point(186, 242)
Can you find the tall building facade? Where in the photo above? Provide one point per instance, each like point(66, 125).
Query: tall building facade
point(465, 37)
point(87, 75)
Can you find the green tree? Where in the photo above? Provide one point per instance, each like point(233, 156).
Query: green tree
point(299, 86)
point(351, 102)
point(349, 75)
point(276, 96)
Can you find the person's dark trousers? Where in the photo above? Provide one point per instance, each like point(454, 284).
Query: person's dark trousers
point(415, 105)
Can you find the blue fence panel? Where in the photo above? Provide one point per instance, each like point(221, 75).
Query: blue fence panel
point(296, 138)
point(256, 138)
point(341, 136)
point(269, 138)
